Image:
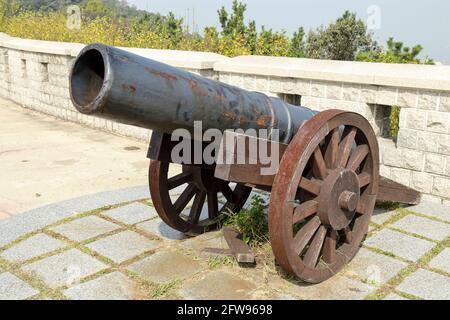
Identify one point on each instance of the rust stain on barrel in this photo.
(130, 88)
(197, 89)
(261, 120)
(162, 74)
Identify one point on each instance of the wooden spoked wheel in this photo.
(198, 184)
(323, 195)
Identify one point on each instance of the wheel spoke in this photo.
(184, 198)
(228, 193)
(179, 179)
(348, 235)
(213, 207)
(358, 157)
(319, 164)
(364, 179)
(312, 186)
(313, 253)
(345, 147)
(329, 247)
(332, 149)
(197, 207)
(303, 236)
(304, 210)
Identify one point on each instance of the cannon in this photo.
(323, 189)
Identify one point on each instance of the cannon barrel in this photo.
(111, 83)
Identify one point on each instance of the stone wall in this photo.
(35, 75)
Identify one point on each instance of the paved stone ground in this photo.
(112, 245)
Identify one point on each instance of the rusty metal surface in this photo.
(111, 83)
(313, 230)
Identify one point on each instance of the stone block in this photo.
(441, 187)
(428, 100)
(413, 160)
(218, 285)
(351, 92)
(407, 98)
(64, 269)
(158, 228)
(444, 102)
(262, 83)
(407, 138)
(289, 85)
(435, 163)
(402, 176)
(441, 261)
(318, 89)
(112, 286)
(443, 144)
(427, 285)
(132, 213)
(373, 267)
(32, 247)
(123, 246)
(416, 119)
(334, 91)
(368, 93)
(165, 266)
(275, 84)
(421, 181)
(386, 96)
(303, 87)
(12, 288)
(85, 228)
(249, 82)
(432, 209)
(380, 216)
(438, 121)
(423, 227)
(399, 244)
(427, 141)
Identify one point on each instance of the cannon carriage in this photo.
(324, 185)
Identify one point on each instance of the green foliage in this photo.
(395, 52)
(341, 40)
(394, 121)
(114, 22)
(252, 222)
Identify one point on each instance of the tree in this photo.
(395, 52)
(297, 45)
(341, 40)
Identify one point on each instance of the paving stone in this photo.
(35, 219)
(65, 268)
(393, 296)
(132, 213)
(431, 209)
(32, 247)
(218, 285)
(335, 288)
(85, 228)
(158, 228)
(424, 227)
(426, 284)
(113, 286)
(374, 267)
(165, 266)
(380, 216)
(12, 288)
(441, 261)
(123, 246)
(399, 244)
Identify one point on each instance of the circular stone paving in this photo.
(113, 245)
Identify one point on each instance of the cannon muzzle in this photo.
(115, 84)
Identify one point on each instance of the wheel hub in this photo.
(338, 199)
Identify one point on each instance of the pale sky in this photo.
(413, 22)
